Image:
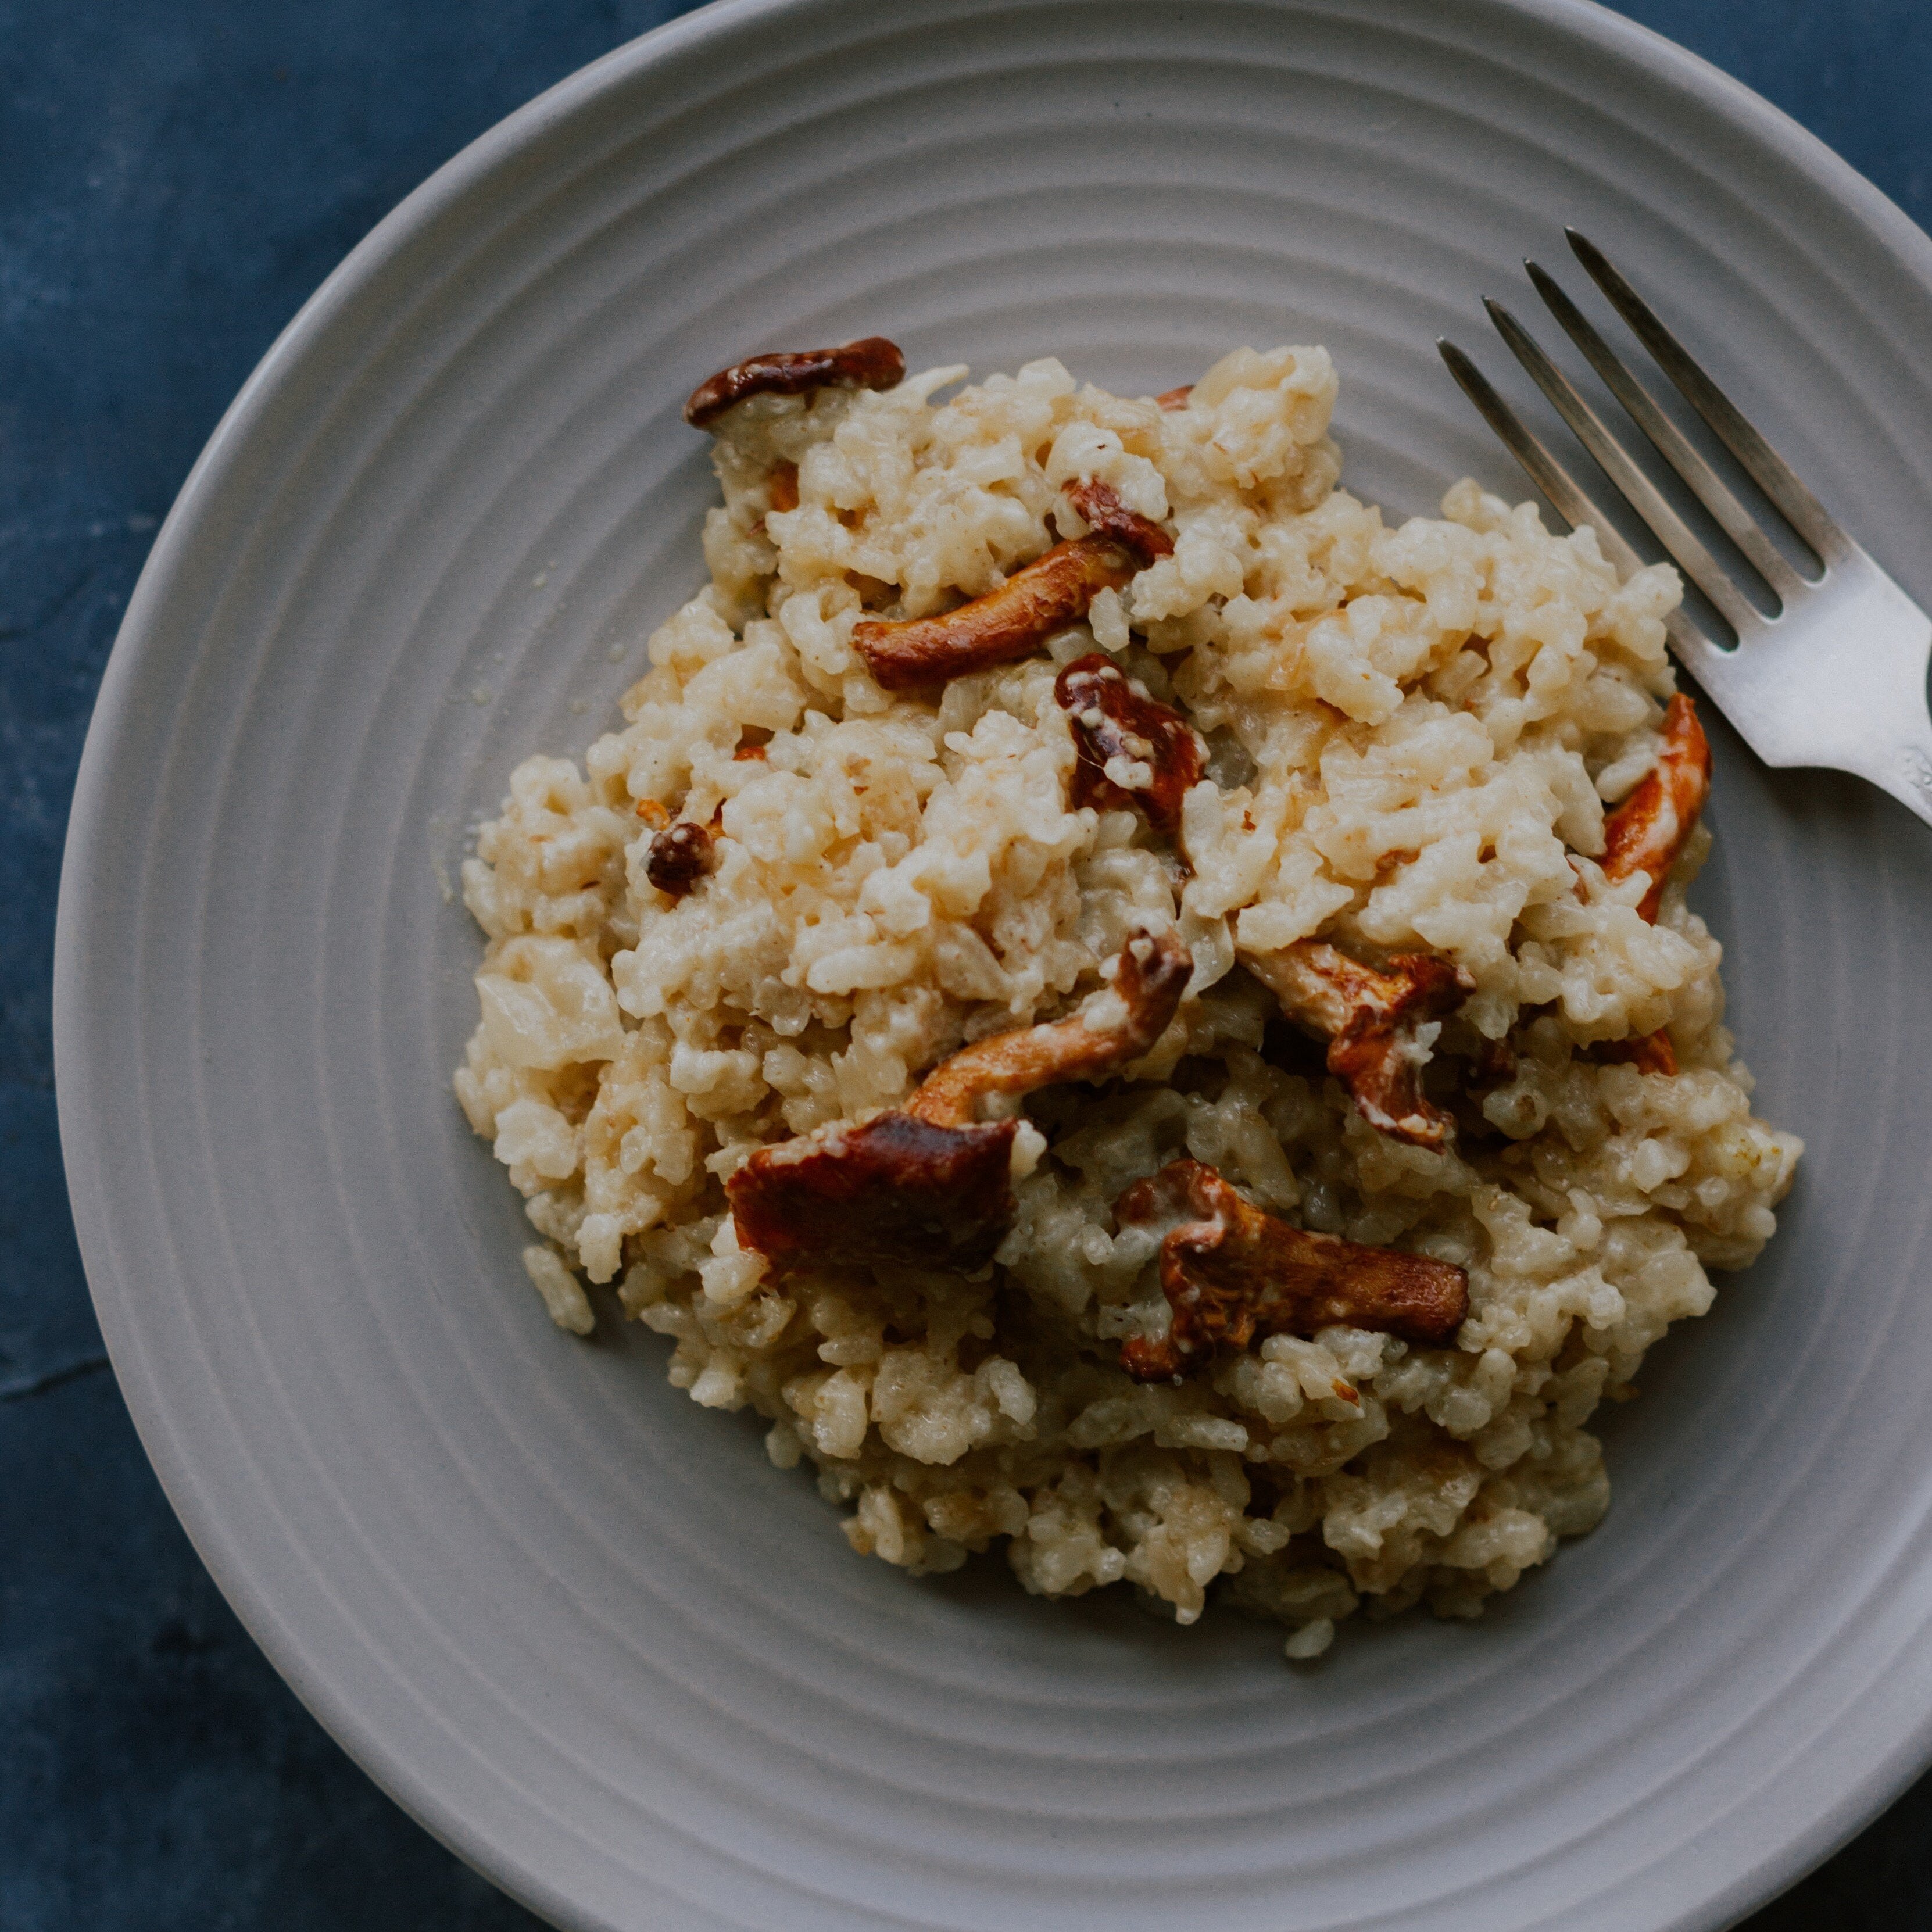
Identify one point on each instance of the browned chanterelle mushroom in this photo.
(1231, 1272)
(873, 363)
(1648, 831)
(1369, 1020)
(1134, 750)
(1014, 621)
(679, 855)
(1100, 507)
(926, 1184)
(1117, 1026)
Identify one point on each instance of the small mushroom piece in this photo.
(926, 1184)
(1649, 1053)
(872, 363)
(1231, 1272)
(1134, 751)
(1647, 833)
(1493, 1064)
(1175, 399)
(1372, 1021)
(1013, 621)
(679, 855)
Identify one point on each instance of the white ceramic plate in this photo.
(580, 1626)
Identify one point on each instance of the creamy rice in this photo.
(1413, 737)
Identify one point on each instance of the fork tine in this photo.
(1565, 494)
(1773, 475)
(1572, 503)
(1676, 448)
(1642, 495)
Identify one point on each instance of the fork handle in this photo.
(1840, 680)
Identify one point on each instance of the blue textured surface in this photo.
(175, 178)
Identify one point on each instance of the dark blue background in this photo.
(175, 177)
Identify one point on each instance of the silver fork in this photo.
(1837, 676)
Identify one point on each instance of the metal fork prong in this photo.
(1643, 495)
(1704, 483)
(1549, 476)
(1572, 503)
(1773, 475)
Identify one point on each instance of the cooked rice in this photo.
(1414, 733)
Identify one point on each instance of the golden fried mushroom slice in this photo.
(1648, 831)
(1014, 621)
(926, 1184)
(871, 363)
(1116, 1027)
(1134, 751)
(1231, 1272)
(1372, 1021)
(1003, 625)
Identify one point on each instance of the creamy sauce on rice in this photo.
(1410, 738)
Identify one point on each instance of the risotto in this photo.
(1138, 1015)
